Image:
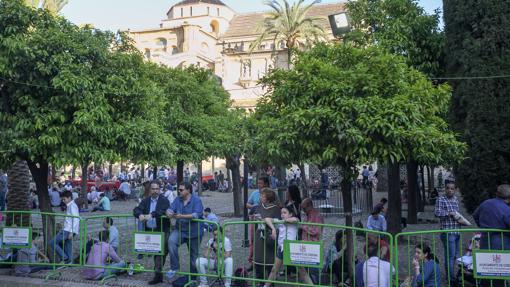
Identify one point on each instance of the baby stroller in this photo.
(465, 263)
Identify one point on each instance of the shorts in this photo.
(279, 253)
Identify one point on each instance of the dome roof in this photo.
(188, 2)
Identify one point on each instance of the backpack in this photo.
(240, 272)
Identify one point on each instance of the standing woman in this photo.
(293, 202)
(265, 245)
(427, 272)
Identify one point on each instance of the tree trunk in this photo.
(18, 183)
(346, 186)
(180, 171)
(412, 192)
(40, 175)
(303, 182)
(382, 178)
(199, 175)
(233, 164)
(73, 173)
(155, 173)
(84, 181)
(394, 213)
(229, 179)
(110, 170)
(431, 179)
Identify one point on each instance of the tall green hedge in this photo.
(478, 45)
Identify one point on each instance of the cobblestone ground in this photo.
(221, 204)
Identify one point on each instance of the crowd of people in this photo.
(159, 207)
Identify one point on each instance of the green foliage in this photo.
(194, 105)
(403, 28)
(73, 94)
(347, 105)
(477, 45)
(289, 23)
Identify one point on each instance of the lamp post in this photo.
(340, 24)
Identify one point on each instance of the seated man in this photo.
(93, 195)
(210, 261)
(103, 204)
(99, 254)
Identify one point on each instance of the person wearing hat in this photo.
(494, 213)
(376, 221)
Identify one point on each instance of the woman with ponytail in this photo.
(427, 272)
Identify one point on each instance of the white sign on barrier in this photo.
(492, 264)
(17, 237)
(149, 243)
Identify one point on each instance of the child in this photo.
(287, 230)
(103, 204)
(427, 272)
(209, 216)
(210, 261)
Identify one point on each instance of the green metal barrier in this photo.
(132, 261)
(25, 257)
(410, 245)
(335, 242)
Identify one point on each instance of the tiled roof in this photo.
(249, 24)
(187, 2)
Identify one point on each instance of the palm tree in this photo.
(18, 178)
(290, 24)
(54, 6)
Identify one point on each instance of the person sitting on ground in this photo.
(30, 255)
(427, 272)
(103, 204)
(336, 259)
(113, 239)
(209, 216)
(376, 221)
(373, 271)
(93, 196)
(287, 230)
(210, 261)
(124, 190)
(99, 254)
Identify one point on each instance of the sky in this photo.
(141, 14)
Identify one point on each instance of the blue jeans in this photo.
(109, 271)
(451, 252)
(63, 238)
(174, 241)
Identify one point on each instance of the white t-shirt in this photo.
(376, 272)
(214, 245)
(287, 231)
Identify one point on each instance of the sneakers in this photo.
(171, 276)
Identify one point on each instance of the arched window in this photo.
(215, 26)
(182, 12)
(147, 54)
(281, 45)
(208, 10)
(191, 11)
(175, 50)
(161, 44)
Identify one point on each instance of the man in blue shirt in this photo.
(495, 214)
(184, 209)
(150, 211)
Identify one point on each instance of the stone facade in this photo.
(209, 34)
